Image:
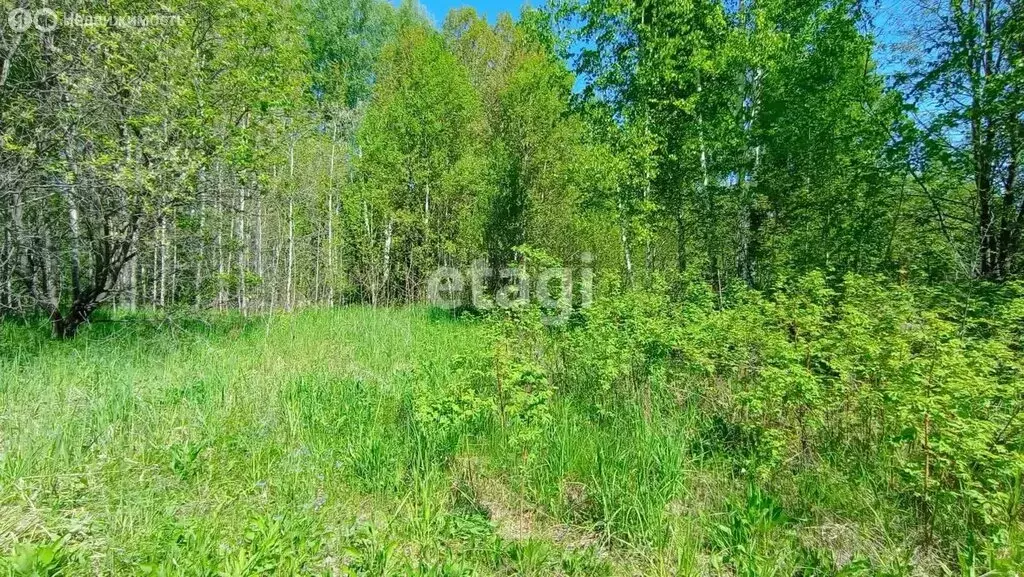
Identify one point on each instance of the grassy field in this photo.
(254, 447)
(343, 443)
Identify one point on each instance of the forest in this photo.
(600, 287)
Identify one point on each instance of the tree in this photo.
(745, 127)
(967, 88)
(420, 168)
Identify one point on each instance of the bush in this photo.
(920, 388)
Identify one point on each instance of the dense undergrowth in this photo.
(854, 428)
(866, 404)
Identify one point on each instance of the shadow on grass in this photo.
(455, 315)
(27, 337)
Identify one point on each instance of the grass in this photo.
(342, 443)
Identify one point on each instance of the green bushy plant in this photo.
(919, 388)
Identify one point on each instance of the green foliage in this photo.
(40, 560)
(736, 175)
(345, 40)
(451, 400)
(524, 389)
(920, 389)
(766, 434)
(421, 171)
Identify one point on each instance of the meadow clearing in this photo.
(379, 442)
(740, 288)
(269, 446)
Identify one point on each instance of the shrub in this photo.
(920, 388)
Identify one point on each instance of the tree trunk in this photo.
(73, 223)
(290, 286)
(330, 243)
(164, 246)
(6, 299)
(133, 296)
(221, 288)
(242, 248)
(5, 66)
(198, 280)
(681, 242)
(387, 260)
(261, 292)
(330, 220)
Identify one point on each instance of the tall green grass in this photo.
(284, 445)
(384, 442)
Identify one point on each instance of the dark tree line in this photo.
(262, 155)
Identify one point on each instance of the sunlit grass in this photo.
(291, 445)
(279, 445)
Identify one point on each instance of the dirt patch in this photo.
(513, 517)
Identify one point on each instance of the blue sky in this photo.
(437, 9)
(891, 17)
